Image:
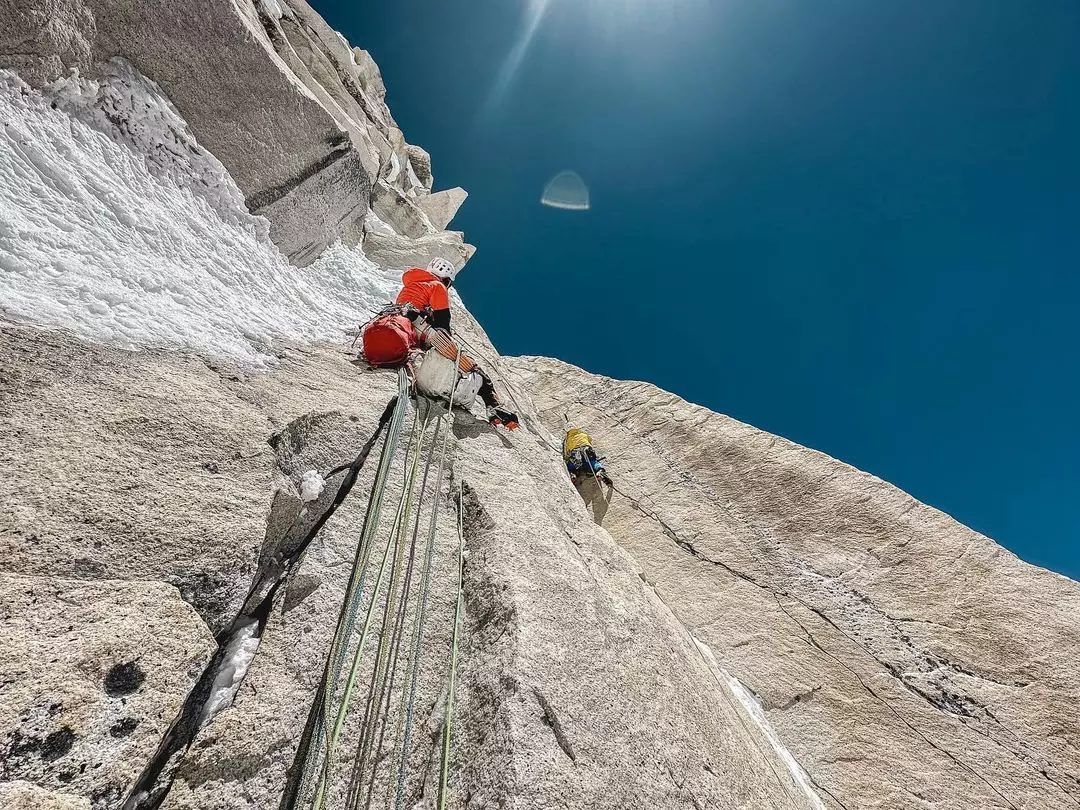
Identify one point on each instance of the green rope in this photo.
(448, 724)
(354, 590)
(370, 719)
(306, 753)
(389, 619)
(350, 607)
(393, 618)
(421, 614)
(399, 628)
(417, 630)
(350, 681)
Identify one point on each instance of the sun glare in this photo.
(606, 20)
(534, 15)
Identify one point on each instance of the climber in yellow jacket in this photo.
(580, 457)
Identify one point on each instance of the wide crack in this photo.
(284, 546)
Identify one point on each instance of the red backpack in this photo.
(387, 340)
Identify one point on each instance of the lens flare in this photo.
(568, 191)
(534, 15)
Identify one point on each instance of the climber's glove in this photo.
(500, 416)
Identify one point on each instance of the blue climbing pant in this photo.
(582, 458)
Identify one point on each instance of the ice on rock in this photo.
(752, 708)
(117, 226)
(135, 112)
(239, 652)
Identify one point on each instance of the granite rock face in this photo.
(26, 796)
(577, 686)
(905, 660)
(743, 623)
(94, 671)
(441, 206)
(295, 114)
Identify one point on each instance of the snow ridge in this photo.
(117, 226)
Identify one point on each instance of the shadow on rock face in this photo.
(467, 426)
(298, 590)
(595, 499)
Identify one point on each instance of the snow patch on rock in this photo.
(272, 9)
(311, 486)
(115, 225)
(752, 708)
(135, 112)
(234, 666)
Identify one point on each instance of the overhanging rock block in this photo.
(401, 213)
(441, 206)
(399, 253)
(420, 161)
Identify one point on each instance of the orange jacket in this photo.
(423, 289)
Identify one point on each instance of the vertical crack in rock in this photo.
(223, 676)
(962, 708)
(551, 720)
(214, 691)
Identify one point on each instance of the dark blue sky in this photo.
(855, 224)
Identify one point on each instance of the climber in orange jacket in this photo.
(428, 290)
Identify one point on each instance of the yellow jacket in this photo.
(575, 438)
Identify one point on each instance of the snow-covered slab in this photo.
(116, 225)
(296, 115)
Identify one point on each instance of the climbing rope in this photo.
(396, 638)
(444, 770)
(334, 735)
(419, 619)
(396, 569)
(321, 707)
(385, 650)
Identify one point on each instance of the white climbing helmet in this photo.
(442, 268)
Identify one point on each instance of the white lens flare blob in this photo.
(568, 191)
